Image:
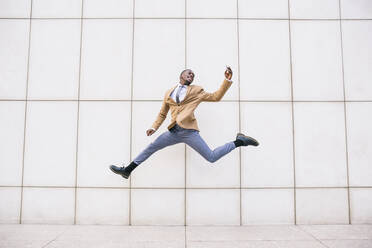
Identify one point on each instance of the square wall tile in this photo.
(11, 142)
(54, 59)
(159, 57)
(112, 207)
(225, 171)
(15, 8)
(108, 8)
(48, 205)
(357, 48)
(264, 47)
(158, 206)
(104, 139)
(360, 205)
(263, 8)
(106, 67)
(212, 207)
(160, 8)
(271, 163)
(257, 206)
(209, 51)
(50, 152)
(202, 8)
(314, 9)
(56, 8)
(358, 9)
(316, 60)
(322, 206)
(10, 204)
(170, 160)
(359, 142)
(320, 148)
(13, 58)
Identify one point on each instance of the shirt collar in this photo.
(179, 84)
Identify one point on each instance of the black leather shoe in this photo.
(247, 140)
(120, 170)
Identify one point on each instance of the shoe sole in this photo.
(248, 137)
(119, 173)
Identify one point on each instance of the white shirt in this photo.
(182, 93)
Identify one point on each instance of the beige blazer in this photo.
(183, 113)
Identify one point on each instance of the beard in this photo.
(187, 82)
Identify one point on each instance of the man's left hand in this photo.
(228, 73)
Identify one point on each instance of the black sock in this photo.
(131, 167)
(238, 142)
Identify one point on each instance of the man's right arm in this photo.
(161, 116)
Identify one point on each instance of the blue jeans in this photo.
(191, 137)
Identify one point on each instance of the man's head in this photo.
(187, 76)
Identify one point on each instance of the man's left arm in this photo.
(217, 95)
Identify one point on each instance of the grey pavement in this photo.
(279, 236)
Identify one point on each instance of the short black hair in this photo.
(184, 71)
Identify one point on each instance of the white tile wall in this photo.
(120, 67)
(48, 205)
(15, 8)
(202, 9)
(258, 206)
(106, 59)
(263, 8)
(102, 206)
(11, 142)
(158, 206)
(316, 60)
(104, 139)
(50, 150)
(13, 58)
(10, 204)
(320, 149)
(357, 40)
(271, 163)
(360, 202)
(212, 206)
(209, 51)
(54, 59)
(359, 137)
(56, 8)
(108, 9)
(225, 171)
(322, 206)
(359, 9)
(155, 171)
(264, 60)
(315, 9)
(160, 8)
(157, 64)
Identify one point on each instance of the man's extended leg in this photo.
(196, 142)
(165, 139)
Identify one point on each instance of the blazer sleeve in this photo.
(217, 95)
(161, 115)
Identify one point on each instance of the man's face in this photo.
(188, 76)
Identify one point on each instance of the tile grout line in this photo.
(154, 100)
(131, 116)
(185, 192)
(25, 114)
(239, 115)
(78, 112)
(194, 18)
(313, 236)
(191, 188)
(345, 116)
(292, 115)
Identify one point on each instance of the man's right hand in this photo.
(150, 132)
